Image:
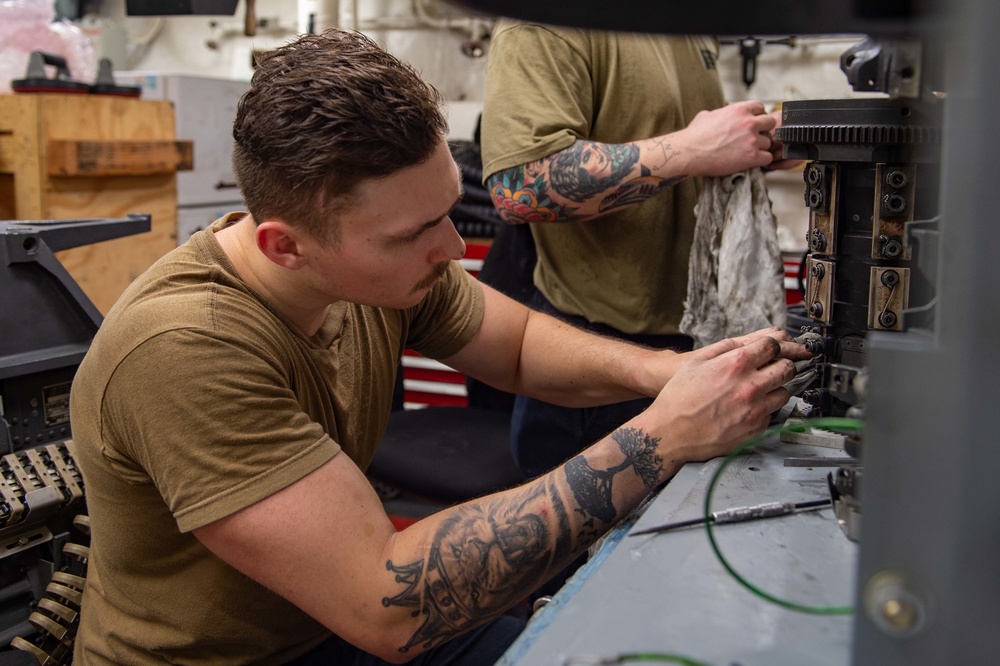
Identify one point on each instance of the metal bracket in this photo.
(821, 198)
(894, 191)
(888, 296)
(819, 289)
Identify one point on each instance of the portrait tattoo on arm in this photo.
(489, 554)
(586, 168)
(483, 559)
(646, 185)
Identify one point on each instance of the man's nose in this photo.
(451, 245)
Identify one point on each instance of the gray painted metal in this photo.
(668, 593)
(931, 501)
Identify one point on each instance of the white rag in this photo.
(735, 273)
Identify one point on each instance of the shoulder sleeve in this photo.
(212, 423)
(539, 94)
(448, 317)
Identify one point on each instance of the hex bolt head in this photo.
(817, 241)
(814, 346)
(815, 198)
(816, 309)
(896, 178)
(892, 248)
(887, 319)
(890, 278)
(894, 203)
(817, 271)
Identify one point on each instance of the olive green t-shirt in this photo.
(546, 87)
(198, 399)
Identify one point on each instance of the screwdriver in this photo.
(741, 514)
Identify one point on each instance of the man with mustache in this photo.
(230, 403)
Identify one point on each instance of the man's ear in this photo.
(280, 243)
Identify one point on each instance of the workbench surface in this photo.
(668, 593)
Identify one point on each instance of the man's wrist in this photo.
(653, 369)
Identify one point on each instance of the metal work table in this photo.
(667, 593)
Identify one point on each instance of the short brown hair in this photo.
(322, 114)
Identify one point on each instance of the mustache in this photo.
(436, 274)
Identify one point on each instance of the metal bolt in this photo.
(890, 278)
(818, 241)
(814, 346)
(814, 175)
(812, 396)
(815, 199)
(896, 179)
(900, 614)
(891, 247)
(817, 271)
(895, 604)
(816, 309)
(887, 319)
(894, 203)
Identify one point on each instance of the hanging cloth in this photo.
(735, 272)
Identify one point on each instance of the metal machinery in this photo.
(871, 187)
(871, 190)
(903, 238)
(47, 324)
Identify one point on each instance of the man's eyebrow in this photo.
(432, 223)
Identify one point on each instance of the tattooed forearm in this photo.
(592, 488)
(637, 191)
(659, 154)
(484, 558)
(599, 177)
(521, 195)
(641, 451)
(488, 554)
(586, 169)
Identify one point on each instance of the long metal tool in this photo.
(741, 514)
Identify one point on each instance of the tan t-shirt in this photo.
(547, 87)
(198, 399)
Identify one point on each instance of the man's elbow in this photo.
(510, 203)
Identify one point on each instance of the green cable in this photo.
(660, 657)
(831, 423)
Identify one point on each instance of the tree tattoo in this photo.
(592, 488)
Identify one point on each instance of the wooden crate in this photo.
(65, 156)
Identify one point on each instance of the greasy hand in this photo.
(777, 163)
(720, 396)
(790, 350)
(727, 140)
(662, 365)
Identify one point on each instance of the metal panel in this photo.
(932, 501)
